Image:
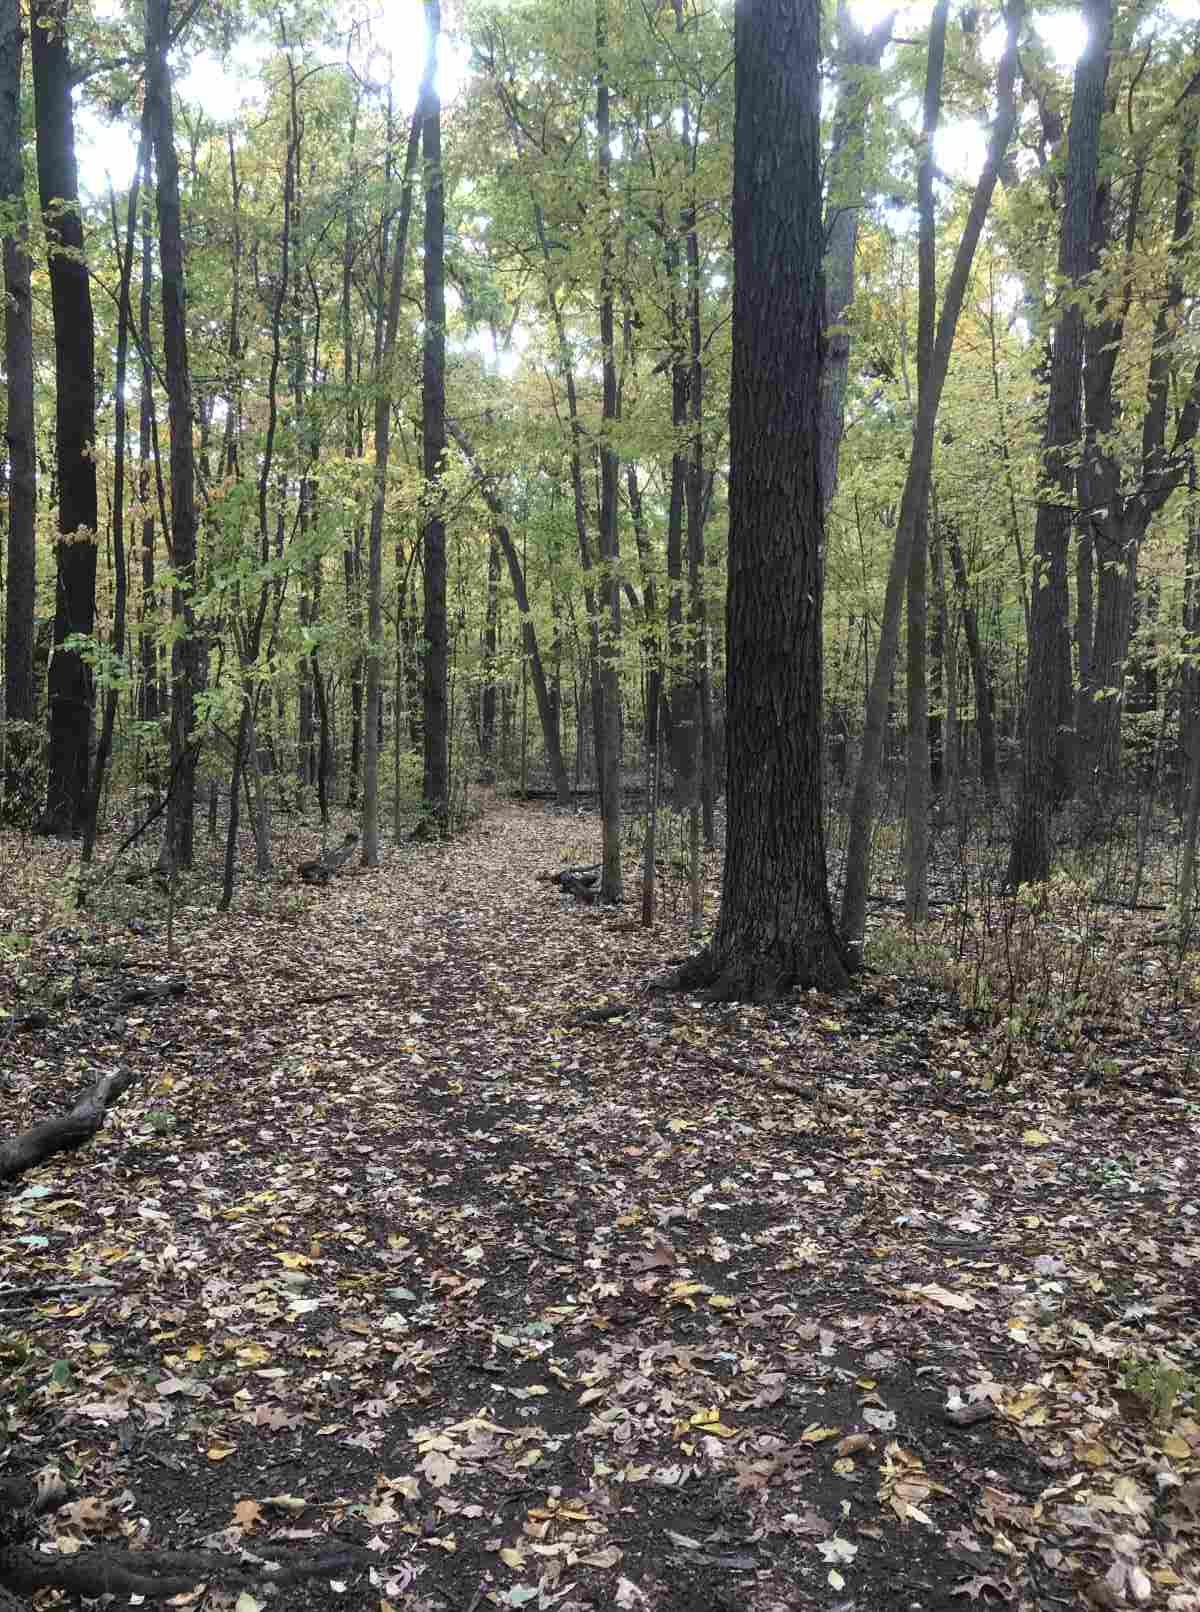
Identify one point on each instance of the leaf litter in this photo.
(683, 1307)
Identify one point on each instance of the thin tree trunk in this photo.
(189, 657)
(608, 756)
(916, 495)
(120, 578)
(546, 706)
(916, 869)
(383, 424)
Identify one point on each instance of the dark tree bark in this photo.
(776, 928)
(69, 682)
(188, 656)
(1045, 776)
(21, 576)
(435, 786)
(607, 538)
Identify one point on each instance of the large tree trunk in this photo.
(188, 657)
(70, 683)
(21, 576)
(915, 498)
(435, 787)
(776, 929)
(1044, 770)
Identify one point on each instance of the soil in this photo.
(401, 1240)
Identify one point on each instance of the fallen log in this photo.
(322, 868)
(582, 883)
(66, 1132)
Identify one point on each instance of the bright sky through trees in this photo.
(392, 43)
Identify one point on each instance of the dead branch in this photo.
(66, 1132)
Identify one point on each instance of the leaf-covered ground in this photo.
(688, 1309)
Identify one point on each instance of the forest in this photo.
(599, 786)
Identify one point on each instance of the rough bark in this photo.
(21, 572)
(435, 787)
(775, 929)
(69, 681)
(1044, 763)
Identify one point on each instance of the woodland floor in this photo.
(663, 1312)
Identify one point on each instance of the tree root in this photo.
(152, 1575)
(741, 977)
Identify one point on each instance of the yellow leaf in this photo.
(853, 1442)
(512, 1558)
(220, 1452)
(844, 1467)
(814, 1433)
(1177, 1447)
(722, 1301)
(943, 1296)
(1035, 1138)
(292, 1262)
(1093, 1454)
